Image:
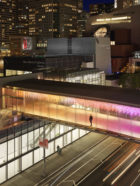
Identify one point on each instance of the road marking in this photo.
(84, 164)
(59, 177)
(121, 158)
(67, 169)
(107, 167)
(135, 178)
(67, 181)
(118, 166)
(110, 156)
(116, 179)
(138, 152)
(54, 174)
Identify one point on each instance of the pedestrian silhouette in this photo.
(90, 120)
(58, 150)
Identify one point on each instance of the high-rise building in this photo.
(81, 19)
(40, 19)
(119, 4)
(124, 3)
(96, 9)
(7, 23)
(53, 18)
(68, 18)
(22, 22)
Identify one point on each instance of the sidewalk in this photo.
(35, 174)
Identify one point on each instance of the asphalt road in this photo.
(96, 178)
(85, 163)
(132, 176)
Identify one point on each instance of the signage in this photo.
(43, 143)
(27, 43)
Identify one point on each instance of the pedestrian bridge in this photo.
(114, 110)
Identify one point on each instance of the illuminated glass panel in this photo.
(27, 161)
(50, 150)
(3, 153)
(38, 155)
(13, 168)
(108, 116)
(2, 174)
(58, 142)
(10, 149)
(29, 140)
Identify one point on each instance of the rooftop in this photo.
(116, 95)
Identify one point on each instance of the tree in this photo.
(130, 80)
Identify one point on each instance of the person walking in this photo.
(58, 150)
(90, 120)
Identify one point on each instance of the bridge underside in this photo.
(107, 117)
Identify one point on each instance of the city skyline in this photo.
(69, 92)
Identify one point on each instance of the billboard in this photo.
(27, 43)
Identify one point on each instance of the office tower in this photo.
(22, 22)
(42, 17)
(119, 4)
(53, 18)
(81, 19)
(68, 18)
(7, 23)
(96, 9)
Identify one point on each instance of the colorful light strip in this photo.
(109, 116)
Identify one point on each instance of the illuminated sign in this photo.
(27, 43)
(112, 20)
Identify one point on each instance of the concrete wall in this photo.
(57, 46)
(83, 46)
(99, 48)
(73, 46)
(103, 54)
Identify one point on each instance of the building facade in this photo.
(41, 19)
(22, 24)
(96, 9)
(119, 4)
(86, 76)
(19, 145)
(81, 19)
(7, 24)
(124, 30)
(53, 18)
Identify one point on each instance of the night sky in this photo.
(88, 2)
